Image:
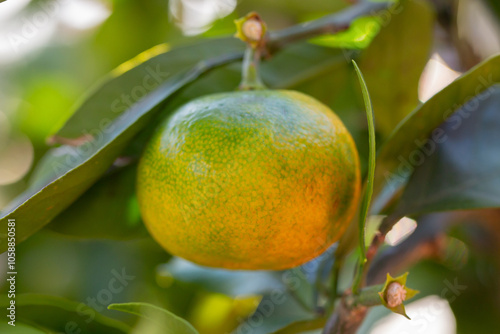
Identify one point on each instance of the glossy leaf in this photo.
(395, 160)
(168, 322)
(70, 171)
(133, 80)
(461, 170)
(61, 315)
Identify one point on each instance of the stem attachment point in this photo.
(251, 29)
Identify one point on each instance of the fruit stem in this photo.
(368, 296)
(250, 77)
(251, 30)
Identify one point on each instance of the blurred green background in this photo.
(53, 51)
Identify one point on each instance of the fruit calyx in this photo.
(252, 30)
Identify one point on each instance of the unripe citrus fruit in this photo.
(249, 180)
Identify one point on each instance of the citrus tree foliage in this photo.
(434, 161)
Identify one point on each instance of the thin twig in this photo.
(326, 25)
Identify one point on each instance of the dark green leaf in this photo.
(398, 156)
(134, 80)
(61, 315)
(70, 171)
(109, 209)
(165, 320)
(460, 170)
(298, 63)
(394, 61)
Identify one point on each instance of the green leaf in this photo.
(395, 158)
(394, 61)
(167, 321)
(365, 204)
(133, 80)
(460, 170)
(303, 326)
(307, 61)
(360, 34)
(69, 171)
(20, 328)
(109, 209)
(51, 313)
(356, 233)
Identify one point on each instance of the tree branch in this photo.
(326, 25)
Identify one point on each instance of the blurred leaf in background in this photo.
(395, 59)
(52, 52)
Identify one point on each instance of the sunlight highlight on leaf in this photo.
(140, 58)
(359, 35)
